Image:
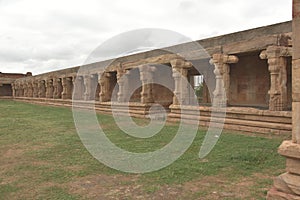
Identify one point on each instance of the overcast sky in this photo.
(46, 35)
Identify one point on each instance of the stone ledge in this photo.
(289, 149)
(235, 110)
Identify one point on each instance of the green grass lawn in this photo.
(42, 157)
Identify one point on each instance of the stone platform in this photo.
(134, 109)
(237, 118)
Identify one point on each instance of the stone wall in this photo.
(6, 79)
(250, 81)
(5, 90)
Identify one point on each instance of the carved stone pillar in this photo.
(67, 88)
(180, 75)
(98, 90)
(177, 80)
(18, 89)
(90, 87)
(222, 72)
(57, 88)
(287, 186)
(35, 92)
(25, 89)
(29, 89)
(94, 84)
(146, 76)
(42, 89)
(13, 90)
(122, 80)
(49, 88)
(22, 90)
(277, 60)
(104, 81)
(79, 88)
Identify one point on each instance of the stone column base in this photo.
(287, 186)
(274, 194)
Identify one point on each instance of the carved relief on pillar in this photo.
(29, 89)
(49, 88)
(90, 87)
(94, 84)
(35, 92)
(147, 76)
(13, 89)
(98, 90)
(177, 80)
(67, 88)
(122, 80)
(22, 89)
(277, 61)
(74, 87)
(104, 81)
(222, 72)
(79, 88)
(87, 86)
(180, 75)
(42, 89)
(57, 88)
(18, 89)
(25, 89)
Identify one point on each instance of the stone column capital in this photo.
(180, 63)
(276, 52)
(147, 68)
(146, 72)
(223, 59)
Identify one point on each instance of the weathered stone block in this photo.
(288, 183)
(274, 194)
(293, 165)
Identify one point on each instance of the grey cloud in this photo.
(136, 41)
(187, 4)
(75, 21)
(58, 36)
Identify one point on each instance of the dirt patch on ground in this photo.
(128, 187)
(216, 187)
(106, 186)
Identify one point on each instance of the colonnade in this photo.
(100, 86)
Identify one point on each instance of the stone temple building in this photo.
(253, 74)
(255, 66)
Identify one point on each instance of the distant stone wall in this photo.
(7, 79)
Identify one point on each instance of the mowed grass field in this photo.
(42, 157)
